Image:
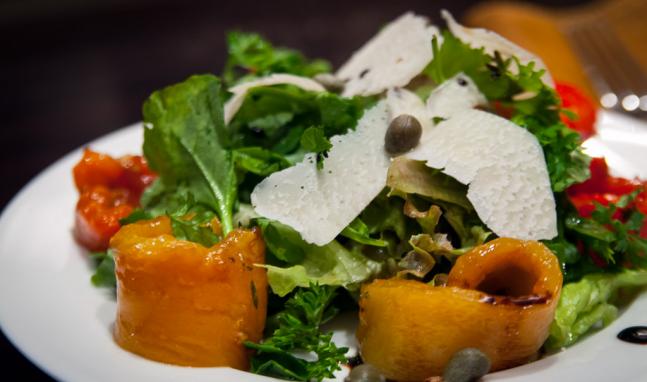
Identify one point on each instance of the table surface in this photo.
(72, 73)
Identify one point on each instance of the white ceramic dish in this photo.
(52, 313)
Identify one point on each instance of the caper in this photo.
(365, 373)
(402, 135)
(466, 365)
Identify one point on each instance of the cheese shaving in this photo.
(240, 91)
(457, 94)
(319, 204)
(504, 166)
(491, 42)
(398, 53)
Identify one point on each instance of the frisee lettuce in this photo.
(616, 243)
(299, 329)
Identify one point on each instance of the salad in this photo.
(435, 185)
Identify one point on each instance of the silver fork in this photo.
(619, 81)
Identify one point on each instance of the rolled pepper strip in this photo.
(181, 303)
(500, 298)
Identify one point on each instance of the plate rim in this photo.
(14, 204)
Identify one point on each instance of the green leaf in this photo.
(331, 264)
(190, 220)
(259, 161)
(195, 228)
(104, 274)
(385, 215)
(252, 56)
(313, 140)
(282, 241)
(615, 240)
(184, 142)
(299, 330)
(407, 176)
(589, 302)
(275, 117)
(358, 231)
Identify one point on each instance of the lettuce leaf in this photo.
(385, 215)
(303, 263)
(407, 176)
(586, 304)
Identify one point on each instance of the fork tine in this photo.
(633, 74)
(591, 59)
(613, 71)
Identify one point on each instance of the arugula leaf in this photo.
(275, 117)
(184, 142)
(256, 57)
(259, 161)
(299, 330)
(104, 274)
(314, 141)
(195, 227)
(190, 220)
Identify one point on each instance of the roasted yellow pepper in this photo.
(181, 303)
(500, 298)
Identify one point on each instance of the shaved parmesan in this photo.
(398, 53)
(457, 94)
(491, 42)
(504, 166)
(319, 204)
(240, 91)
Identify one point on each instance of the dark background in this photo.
(73, 70)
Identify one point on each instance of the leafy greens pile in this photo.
(417, 226)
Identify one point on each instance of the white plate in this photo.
(52, 313)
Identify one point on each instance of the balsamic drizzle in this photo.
(634, 334)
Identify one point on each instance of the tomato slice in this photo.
(581, 105)
(98, 212)
(109, 191)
